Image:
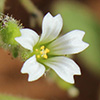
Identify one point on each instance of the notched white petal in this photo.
(34, 69)
(28, 38)
(64, 67)
(70, 43)
(51, 27)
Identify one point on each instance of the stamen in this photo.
(36, 50)
(47, 50)
(38, 56)
(42, 47)
(45, 56)
(41, 52)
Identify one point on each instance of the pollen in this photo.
(47, 50)
(45, 56)
(41, 52)
(42, 47)
(36, 50)
(38, 56)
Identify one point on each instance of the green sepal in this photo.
(9, 32)
(15, 52)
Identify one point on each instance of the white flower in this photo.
(49, 50)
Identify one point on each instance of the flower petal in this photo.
(28, 38)
(51, 27)
(64, 67)
(33, 68)
(69, 43)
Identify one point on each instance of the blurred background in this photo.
(76, 14)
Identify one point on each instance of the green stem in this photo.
(33, 10)
(2, 4)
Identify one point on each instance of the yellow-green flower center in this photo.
(42, 52)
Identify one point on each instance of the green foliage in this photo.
(77, 16)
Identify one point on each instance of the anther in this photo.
(47, 50)
(36, 50)
(42, 47)
(45, 56)
(38, 56)
(41, 52)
